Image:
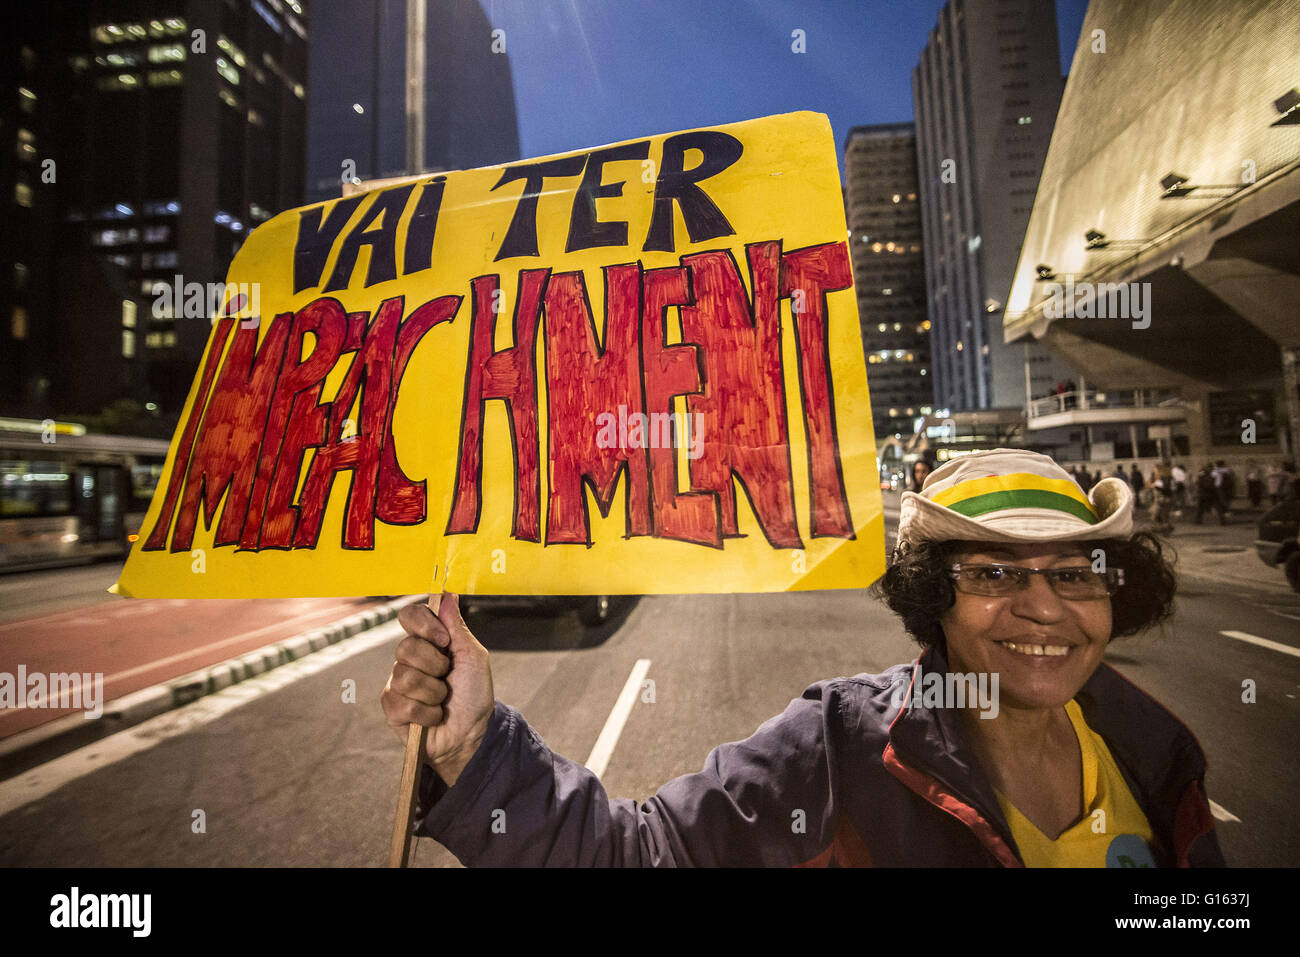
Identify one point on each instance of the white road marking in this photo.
(181, 656)
(44, 780)
(1221, 813)
(1263, 642)
(598, 760)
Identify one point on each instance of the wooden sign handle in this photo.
(399, 852)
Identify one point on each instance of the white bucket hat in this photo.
(1010, 495)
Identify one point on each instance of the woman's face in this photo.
(919, 471)
(998, 634)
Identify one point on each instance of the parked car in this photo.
(1277, 542)
(593, 610)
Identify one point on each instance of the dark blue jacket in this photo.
(845, 776)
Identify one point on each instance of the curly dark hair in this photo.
(917, 588)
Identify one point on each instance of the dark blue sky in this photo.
(588, 72)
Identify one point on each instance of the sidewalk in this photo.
(1223, 553)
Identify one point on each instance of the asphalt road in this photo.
(297, 776)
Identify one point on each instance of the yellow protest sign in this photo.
(627, 370)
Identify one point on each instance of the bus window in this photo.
(34, 488)
(144, 482)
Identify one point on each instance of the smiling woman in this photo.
(1007, 742)
(1004, 567)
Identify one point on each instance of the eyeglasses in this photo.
(995, 580)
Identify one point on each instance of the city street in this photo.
(287, 773)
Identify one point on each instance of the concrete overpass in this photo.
(1175, 164)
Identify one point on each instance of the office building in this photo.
(161, 133)
(884, 217)
(358, 105)
(985, 92)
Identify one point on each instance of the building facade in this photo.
(358, 102)
(180, 125)
(1160, 258)
(884, 216)
(985, 96)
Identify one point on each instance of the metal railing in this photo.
(1083, 399)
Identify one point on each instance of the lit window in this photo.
(166, 78)
(886, 292)
(23, 194)
(881, 327)
(123, 81)
(255, 118)
(156, 28)
(167, 53)
(18, 323)
(174, 25)
(157, 234)
(1025, 120)
(20, 276)
(235, 53)
(26, 100)
(298, 91)
(960, 347)
(167, 260)
(128, 344)
(229, 99)
(115, 237)
(136, 30)
(898, 327)
(228, 72)
(876, 247)
(128, 313)
(898, 198)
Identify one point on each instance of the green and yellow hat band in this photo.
(980, 496)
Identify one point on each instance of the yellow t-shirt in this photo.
(1113, 832)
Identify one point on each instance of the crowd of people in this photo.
(1171, 489)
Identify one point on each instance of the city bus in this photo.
(67, 496)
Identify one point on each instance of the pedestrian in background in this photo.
(1275, 478)
(1179, 475)
(1254, 486)
(1207, 494)
(1224, 484)
(1135, 479)
(916, 478)
(1162, 498)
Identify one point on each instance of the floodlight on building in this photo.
(1288, 105)
(992, 305)
(1045, 272)
(1175, 186)
(1096, 239)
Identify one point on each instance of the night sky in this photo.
(589, 72)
